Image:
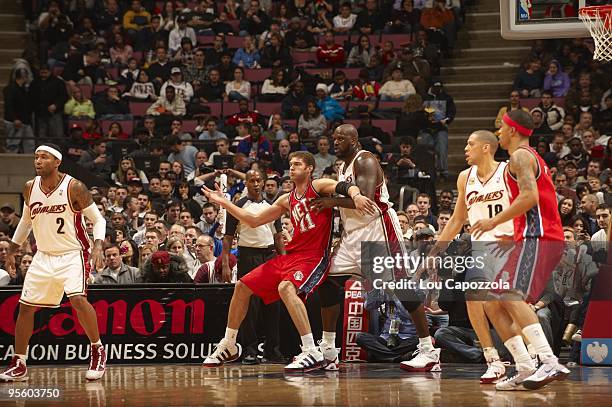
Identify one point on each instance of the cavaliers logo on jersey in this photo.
(476, 197)
(38, 208)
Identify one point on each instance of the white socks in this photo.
(490, 354)
(308, 343)
(425, 343)
(328, 340)
(230, 336)
(517, 348)
(536, 337)
(97, 343)
(22, 357)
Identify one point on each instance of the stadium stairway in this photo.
(480, 76)
(13, 39)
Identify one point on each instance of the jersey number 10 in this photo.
(494, 209)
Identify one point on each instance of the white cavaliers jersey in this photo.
(352, 219)
(57, 227)
(485, 200)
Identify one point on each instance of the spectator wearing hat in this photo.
(76, 145)
(9, 217)
(163, 267)
(329, 53)
(96, 161)
(117, 272)
(330, 108)
(50, 96)
(443, 114)
(18, 109)
(183, 89)
(179, 32)
(168, 104)
(396, 88)
(254, 20)
(299, 37)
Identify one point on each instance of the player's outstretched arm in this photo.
(455, 223)
(361, 202)
(81, 200)
(523, 165)
(269, 214)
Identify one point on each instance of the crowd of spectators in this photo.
(175, 57)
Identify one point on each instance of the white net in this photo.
(599, 22)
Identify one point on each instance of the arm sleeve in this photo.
(23, 228)
(99, 227)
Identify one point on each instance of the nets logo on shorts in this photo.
(298, 276)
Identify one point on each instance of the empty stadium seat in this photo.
(257, 75)
(530, 103)
(268, 108)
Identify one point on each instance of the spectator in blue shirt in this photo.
(255, 145)
(247, 56)
(330, 108)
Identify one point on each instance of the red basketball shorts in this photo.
(530, 266)
(306, 270)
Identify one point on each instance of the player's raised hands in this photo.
(217, 196)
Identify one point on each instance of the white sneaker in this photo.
(548, 371)
(223, 353)
(330, 357)
(306, 361)
(514, 383)
(577, 337)
(496, 371)
(423, 361)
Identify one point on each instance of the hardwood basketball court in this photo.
(267, 385)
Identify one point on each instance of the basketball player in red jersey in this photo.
(361, 168)
(538, 248)
(295, 275)
(55, 204)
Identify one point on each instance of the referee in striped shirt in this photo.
(255, 246)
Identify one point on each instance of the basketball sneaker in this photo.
(423, 361)
(223, 353)
(97, 363)
(514, 383)
(496, 371)
(330, 356)
(17, 371)
(548, 371)
(306, 362)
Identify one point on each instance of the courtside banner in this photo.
(138, 324)
(355, 321)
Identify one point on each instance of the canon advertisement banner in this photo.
(137, 325)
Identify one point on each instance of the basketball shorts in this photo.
(347, 259)
(50, 276)
(306, 270)
(529, 267)
(491, 263)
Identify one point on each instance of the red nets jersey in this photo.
(542, 221)
(312, 230)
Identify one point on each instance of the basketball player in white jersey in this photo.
(362, 169)
(55, 204)
(482, 194)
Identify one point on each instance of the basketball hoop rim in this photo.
(595, 11)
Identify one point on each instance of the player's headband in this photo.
(523, 130)
(51, 151)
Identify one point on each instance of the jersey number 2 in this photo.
(60, 226)
(494, 209)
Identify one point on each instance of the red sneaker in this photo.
(97, 363)
(16, 372)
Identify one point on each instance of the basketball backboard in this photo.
(542, 19)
